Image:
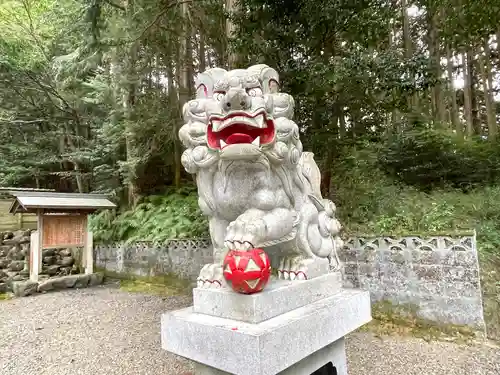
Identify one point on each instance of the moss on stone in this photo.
(5, 296)
(402, 319)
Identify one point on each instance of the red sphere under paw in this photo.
(247, 272)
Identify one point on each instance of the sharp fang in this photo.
(222, 144)
(256, 141)
(260, 121)
(215, 125)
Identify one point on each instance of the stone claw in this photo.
(296, 268)
(238, 245)
(244, 233)
(211, 277)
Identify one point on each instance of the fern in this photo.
(156, 218)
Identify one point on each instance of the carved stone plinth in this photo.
(291, 328)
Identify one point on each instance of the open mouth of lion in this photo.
(240, 128)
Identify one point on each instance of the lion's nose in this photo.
(236, 100)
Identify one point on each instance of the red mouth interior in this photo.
(240, 133)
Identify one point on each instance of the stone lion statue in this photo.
(255, 183)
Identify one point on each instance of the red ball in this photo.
(247, 272)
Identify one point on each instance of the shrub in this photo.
(157, 218)
(429, 159)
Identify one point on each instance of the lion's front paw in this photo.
(245, 233)
(211, 277)
(302, 268)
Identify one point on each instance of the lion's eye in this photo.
(219, 96)
(256, 91)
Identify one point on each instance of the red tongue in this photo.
(238, 138)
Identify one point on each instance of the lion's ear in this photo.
(274, 86)
(206, 80)
(201, 91)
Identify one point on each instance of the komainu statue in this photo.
(255, 183)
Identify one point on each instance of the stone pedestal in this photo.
(290, 328)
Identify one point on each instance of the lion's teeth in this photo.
(256, 141)
(215, 125)
(260, 121)
(222, 144)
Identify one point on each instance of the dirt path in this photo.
(104, 330)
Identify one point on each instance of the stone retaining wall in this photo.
(181, 257)
(14, 259)
(14, 255)
(438, 275)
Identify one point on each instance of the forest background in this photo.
(398, 99)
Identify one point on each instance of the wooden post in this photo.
(88, 249)
(89, 253)
(20, 220)
(40, 240)
(34, 255)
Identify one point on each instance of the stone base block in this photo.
(281, 296)
(272, 346)
(331, 359)
(26, 288)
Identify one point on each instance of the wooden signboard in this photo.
(64, 230)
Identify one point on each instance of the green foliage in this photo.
(157, 218)
(490, 285)
(165, 285)
(5, 296)
(402, 319)
(371, 202)
(428, 158)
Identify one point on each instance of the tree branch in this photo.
(47, 91)
(159, 16)
(118, 6)
(23, 122)
(32, 30)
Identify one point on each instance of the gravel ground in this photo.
(104, 330)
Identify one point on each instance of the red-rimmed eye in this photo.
(219, 95)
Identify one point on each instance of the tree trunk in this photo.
(78, 177)
(184, 61)
(395, 113)
(498, 47)
(129, 94)
(342, 128)
(202, 53)
(326, 178)
(231, 57)
(473, 82)
(454, 118)
(467, 95)
(189, 76)
(412, 101)
(159, 86)
(486, 76)
(437, 103)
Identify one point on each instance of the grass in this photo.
(158, 286)
(390, 320)
(5, 296)
(490, 285)
(163, 285)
